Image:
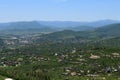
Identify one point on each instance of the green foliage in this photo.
(56, 56)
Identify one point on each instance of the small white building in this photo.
(8, 79)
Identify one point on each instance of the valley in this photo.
(37, 54)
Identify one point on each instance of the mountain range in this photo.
(105, 32)
(76, 24)
(50, 26)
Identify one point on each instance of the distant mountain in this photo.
(40, 27)
(69, 24)
(32, 26)
(43, 27)
(52, 26)
(105, 32)
(62, 24)
(102, 23)
(22, 25)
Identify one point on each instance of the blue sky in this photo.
(62, 10)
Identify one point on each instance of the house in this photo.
(94, 56)
(116, 54)
(8, 79)
(73, 73)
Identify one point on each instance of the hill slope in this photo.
(109, 30)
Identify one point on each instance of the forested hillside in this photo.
(62, 55)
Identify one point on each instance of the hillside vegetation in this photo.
(62, 55)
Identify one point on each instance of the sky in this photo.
(59, 10)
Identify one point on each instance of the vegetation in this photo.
(64, 55)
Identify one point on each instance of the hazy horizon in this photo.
(58, 21)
